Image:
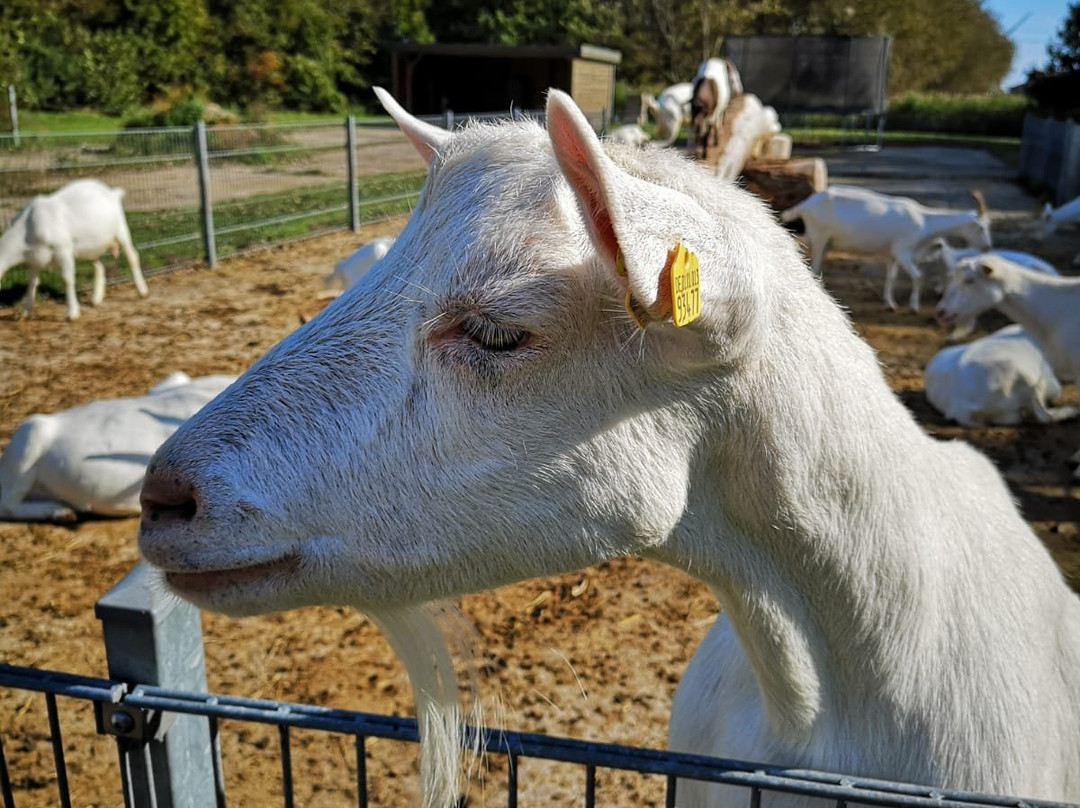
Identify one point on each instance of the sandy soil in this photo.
(594, 654)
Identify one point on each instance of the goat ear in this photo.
(635, 225)
(426, 139)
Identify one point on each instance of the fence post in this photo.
(202, 165)
(14, 109)
(154, 638)
(350, 162)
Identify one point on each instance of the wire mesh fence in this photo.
(253, 185)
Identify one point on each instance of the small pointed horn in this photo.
(980, 202)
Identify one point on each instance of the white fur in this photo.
(353, 268)
(629, 135)
(81, 221)
(671, 110)
(1052, 219)
(481, 408)
(726, 83)
(999, 379)
(91, 458)
(856, 220)
(1045, 305)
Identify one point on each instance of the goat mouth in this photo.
(217, 580)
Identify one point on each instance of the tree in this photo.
(1065, 52)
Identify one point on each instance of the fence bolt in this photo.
(202, 165)
(152, 638)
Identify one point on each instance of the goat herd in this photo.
(574, 352)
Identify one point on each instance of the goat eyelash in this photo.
(493, 337)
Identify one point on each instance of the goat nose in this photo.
(167, 499)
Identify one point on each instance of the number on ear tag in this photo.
(685, 287)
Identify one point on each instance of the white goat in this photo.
(716, 83)
(1052, 219)
(449, 426)
(92, 458)
(629, 135)
(671, 110)
(353, 268)
(859, 221)
(1000, 379)
(1045, 305)
(81, 221)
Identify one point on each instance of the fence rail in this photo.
(1050, 156)
(168, 729)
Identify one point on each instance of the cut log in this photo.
(783, 183)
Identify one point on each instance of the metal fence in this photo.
(200, 193)
(168, 738)
(1050, 156)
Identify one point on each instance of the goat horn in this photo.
(980, 202)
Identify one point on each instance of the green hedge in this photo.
(999, 114)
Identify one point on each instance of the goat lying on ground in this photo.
(671, 109)
(91, 458)
(629, 135)
(360, 260)
(449, 426)
(1052, 219)
(81, 221)
(856, 220)
(1000, 379)
(1045, 305)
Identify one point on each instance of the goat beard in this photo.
(448, 753)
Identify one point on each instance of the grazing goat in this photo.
(353, 268)
(716, 83)
(1045, 305)
(671, 109)
(864, 222)
(1052, 219)
(92, 458)
(629, 357)
(81, 221)
(629, 135)
(1000, 379)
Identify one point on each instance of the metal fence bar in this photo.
(590, 786)
(202, 164)
(512, 780)
(5, 780)
(669, 792)
(58, 750)
(361, 772)
(286, 764)
(215, 758)
(350, 169)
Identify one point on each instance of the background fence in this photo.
(167, 732)
(202, 193)
(1050, 156)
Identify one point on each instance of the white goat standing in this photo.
(1046, 306)
(92, 458)
(859, 221)
(1000, 379)
(81, 221)
(350, 270)
(716, 83)
(450, 426)
(1052, 219)
(671, 109)
(630, 134)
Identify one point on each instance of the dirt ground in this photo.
(594, 654)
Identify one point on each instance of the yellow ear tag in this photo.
(685, 287)
(620, 264)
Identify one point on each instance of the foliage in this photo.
(322, 54)
(1065, 51)
(1000, 115)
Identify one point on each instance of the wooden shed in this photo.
(430, 79)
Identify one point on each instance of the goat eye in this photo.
(493, 337)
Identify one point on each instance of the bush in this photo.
(1001, 115)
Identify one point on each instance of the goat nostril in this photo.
(168, 499)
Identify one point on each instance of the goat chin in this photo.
(418, 635)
